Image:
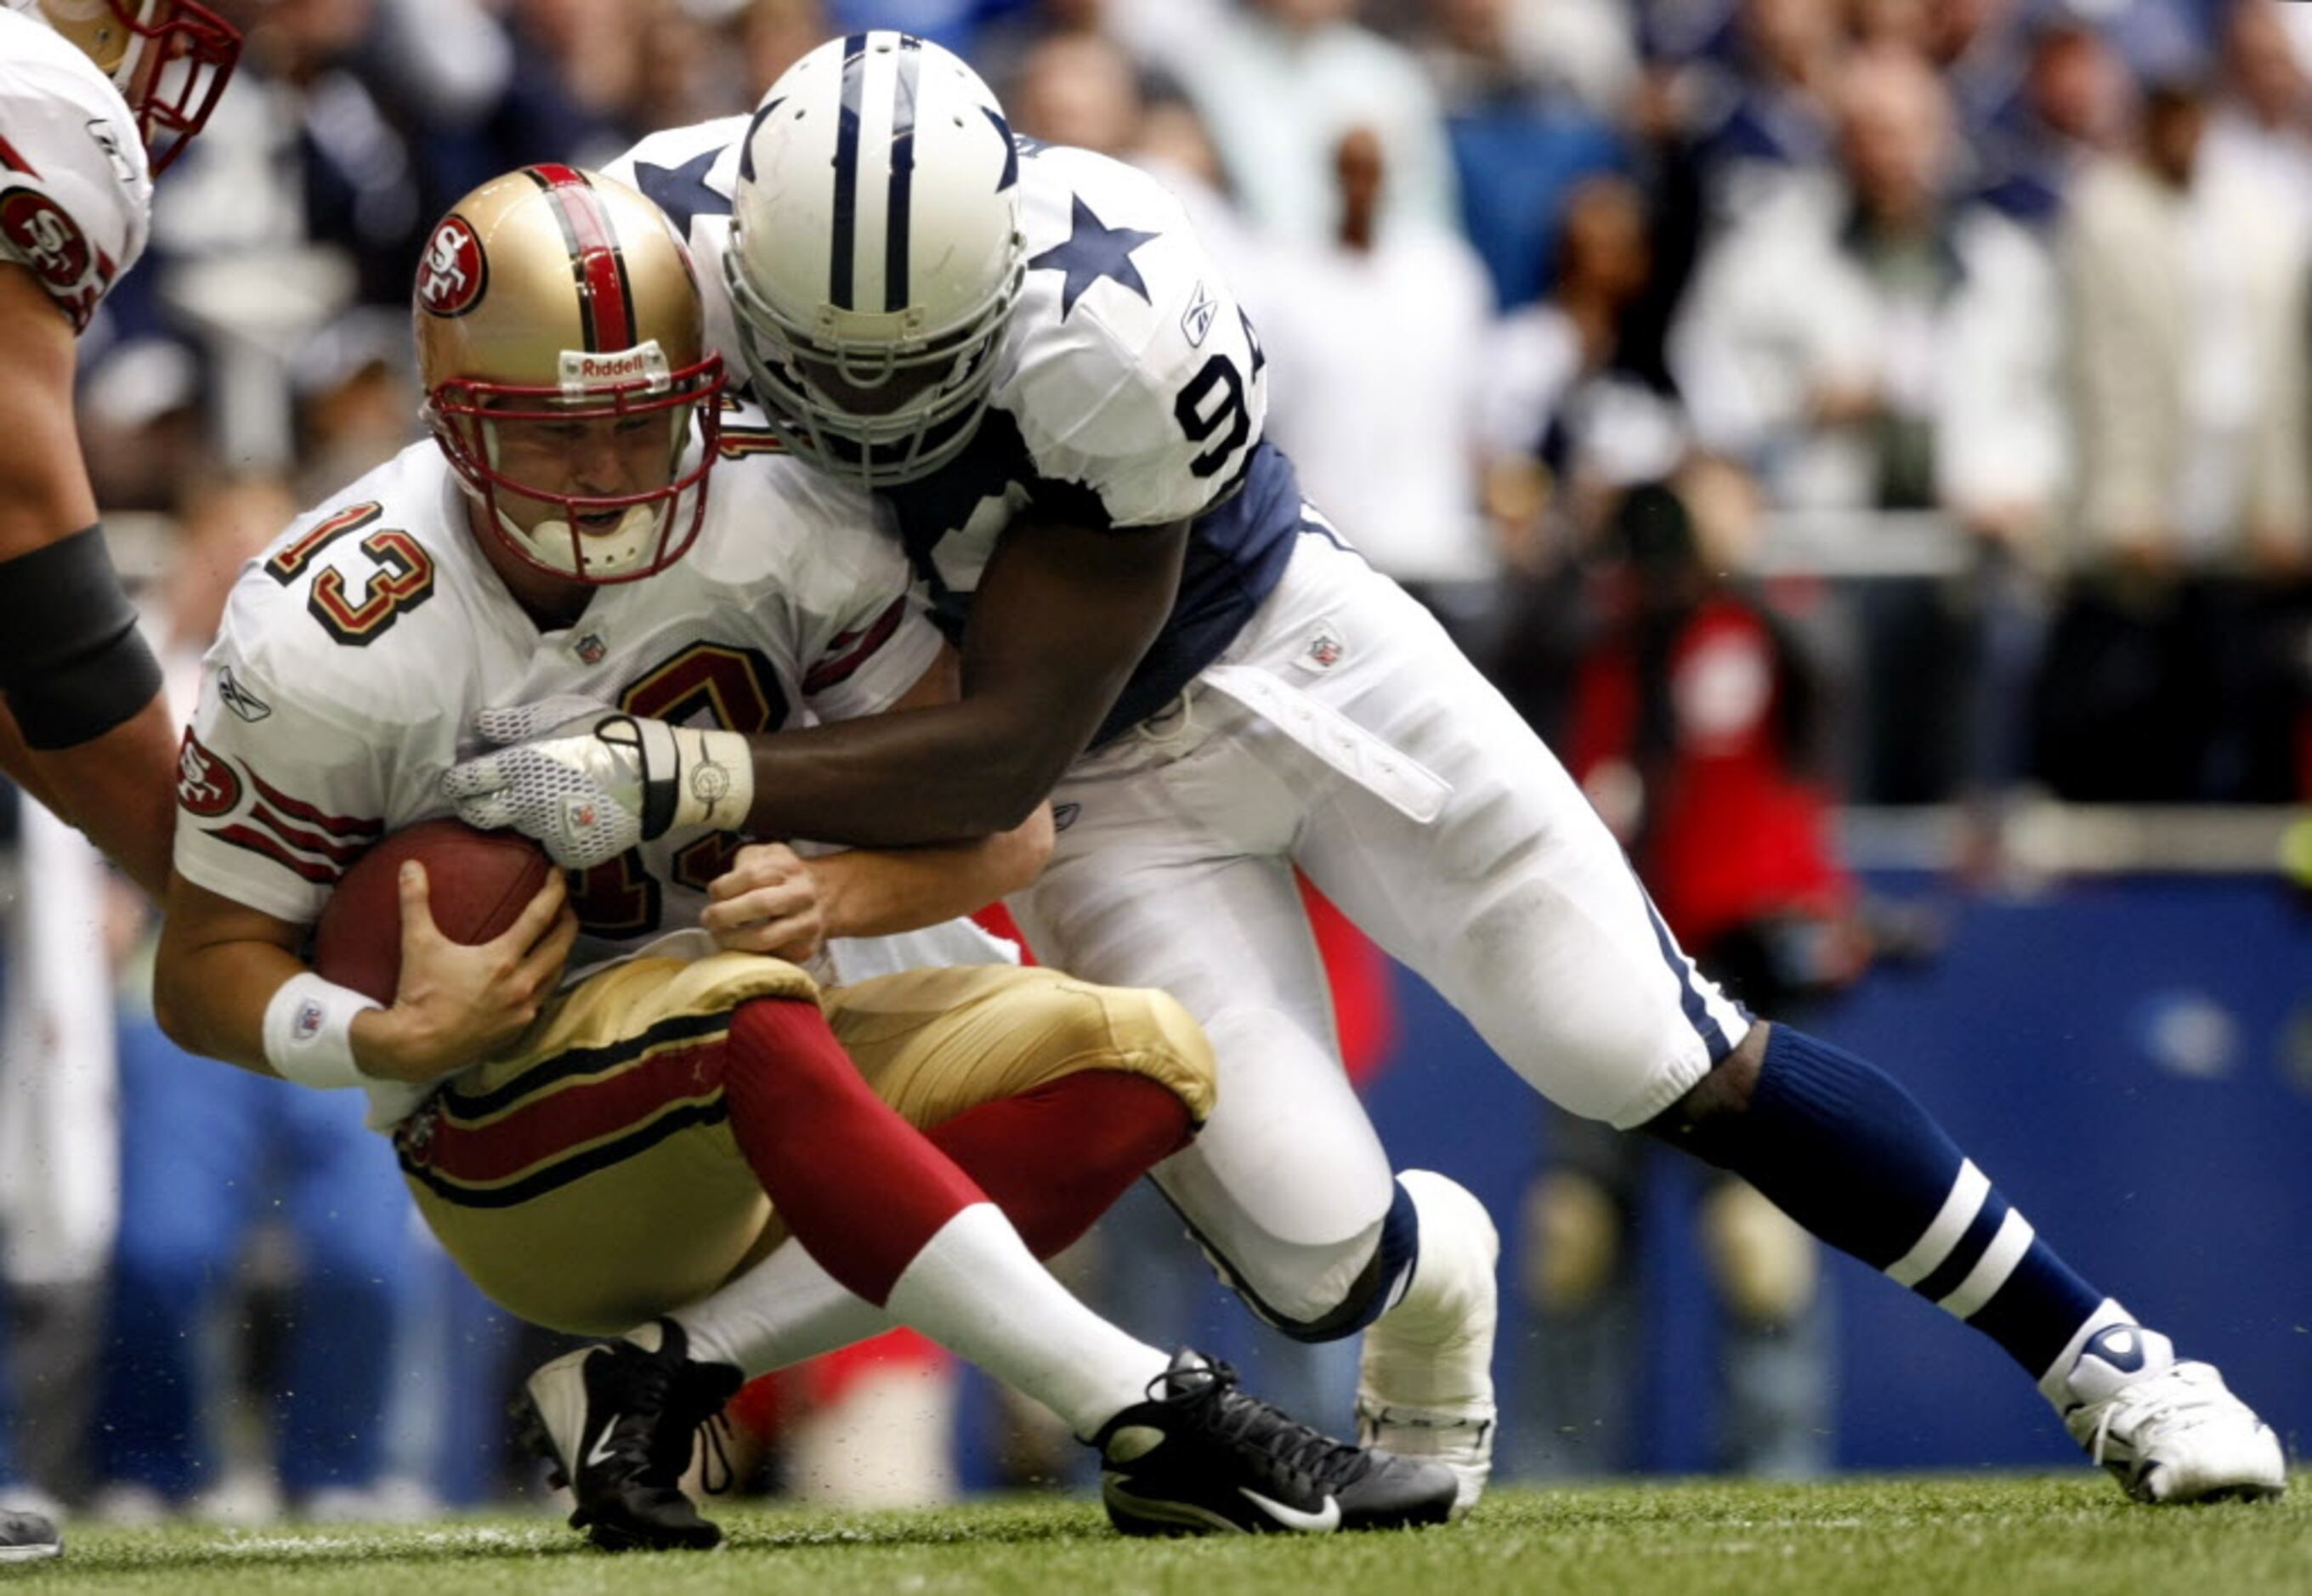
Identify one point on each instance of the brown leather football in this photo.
(479, 882)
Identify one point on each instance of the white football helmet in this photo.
(875, 254)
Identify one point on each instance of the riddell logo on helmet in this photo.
(585, 369)
(453, 273)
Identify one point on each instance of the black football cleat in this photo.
(617, 1421)
(28, 1537)
(1200, 1457)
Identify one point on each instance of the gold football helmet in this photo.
(563, 349)
(168, 58)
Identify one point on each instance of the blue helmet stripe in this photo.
(846, 172)
(903, 174)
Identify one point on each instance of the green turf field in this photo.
(2001, 1536)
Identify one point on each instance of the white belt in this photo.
(1399, 780)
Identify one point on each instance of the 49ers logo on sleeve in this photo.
(453, 275)
(206, 784)
(36, 230)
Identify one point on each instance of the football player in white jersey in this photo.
(95, 96)
(607, 1155)
(87, 88)
(1024, 352)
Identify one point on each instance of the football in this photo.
(479, 882)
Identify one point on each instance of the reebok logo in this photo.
(1308, 1523)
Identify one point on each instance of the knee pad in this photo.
(1372, 1292)
(1764, 1267)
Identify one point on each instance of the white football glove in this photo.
(591, 786)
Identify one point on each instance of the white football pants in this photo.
(1343, 732)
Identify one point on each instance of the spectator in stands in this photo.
(1768, 111)
(1871, 344)
(1521, 137)
(1279, 82)
(2070, 105)
(2262, 125)
(2166, 677)
(1574, 411)
(1376, 339)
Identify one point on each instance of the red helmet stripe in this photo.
(13, 161)
(606, 301)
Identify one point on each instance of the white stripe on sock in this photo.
(1991, 1270)
(1968, 1195)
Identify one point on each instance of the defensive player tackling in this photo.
(607, 1155)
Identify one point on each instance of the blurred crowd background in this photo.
(1794, 403)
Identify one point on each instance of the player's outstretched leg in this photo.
(28, 1537)
(1200, 1455)
(1425, 1383)
(1847, 1153)
(616, 1422)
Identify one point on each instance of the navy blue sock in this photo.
(1841, 1148)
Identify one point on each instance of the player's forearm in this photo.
(951, 772)
(210, 997)
(879, 892)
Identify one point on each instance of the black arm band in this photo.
(73, 664)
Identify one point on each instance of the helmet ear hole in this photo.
(867, 330)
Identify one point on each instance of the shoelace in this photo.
(1211, 1395)
(713, 1434)
(2144, 1413)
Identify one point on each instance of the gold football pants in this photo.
(589, 1181)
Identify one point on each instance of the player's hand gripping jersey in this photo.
(353, 656)
(75, 196)
(1129, 392)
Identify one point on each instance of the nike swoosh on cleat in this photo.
(1292, 1518)
(599, 1453)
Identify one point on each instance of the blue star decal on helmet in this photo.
(681, 191)
(1094, 250)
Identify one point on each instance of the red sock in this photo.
(858, 1186)
(1054, 1159)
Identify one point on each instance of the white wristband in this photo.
(308, 1029)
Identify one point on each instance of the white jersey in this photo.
(353, 655)
(75, 193)
(1130, 390)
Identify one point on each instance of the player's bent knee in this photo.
(1079, 1026)
(1154, 1034)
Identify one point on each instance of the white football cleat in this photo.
(1426, 1386)
(2168, 1429)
